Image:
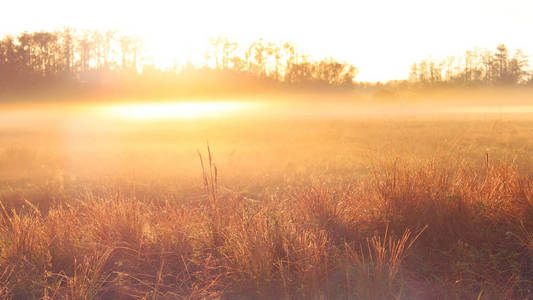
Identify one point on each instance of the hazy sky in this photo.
(381, 37)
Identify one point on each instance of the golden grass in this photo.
(306, 242)
(328, 221)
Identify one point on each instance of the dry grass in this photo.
(315, 226)
(472, 236)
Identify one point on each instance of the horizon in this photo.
(341, 35)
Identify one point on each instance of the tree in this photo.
(501, 64)
(517, 67)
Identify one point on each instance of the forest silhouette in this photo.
(108, 64)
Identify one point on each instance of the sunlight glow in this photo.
(382, 38)
(176, 110)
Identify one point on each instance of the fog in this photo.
(26, 114)
(265, 135)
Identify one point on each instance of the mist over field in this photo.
(332, 169)
(262, 168)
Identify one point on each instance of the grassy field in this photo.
(373, 206)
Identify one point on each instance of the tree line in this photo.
(90, 57)
(65, 55)
(477, 67)
(280, 62)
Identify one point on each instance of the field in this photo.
(334, 202)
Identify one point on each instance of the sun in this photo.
(164, 53)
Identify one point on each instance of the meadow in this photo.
(335, 202)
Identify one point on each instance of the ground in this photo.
(330, 202)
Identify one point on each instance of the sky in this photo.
(381, 37)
